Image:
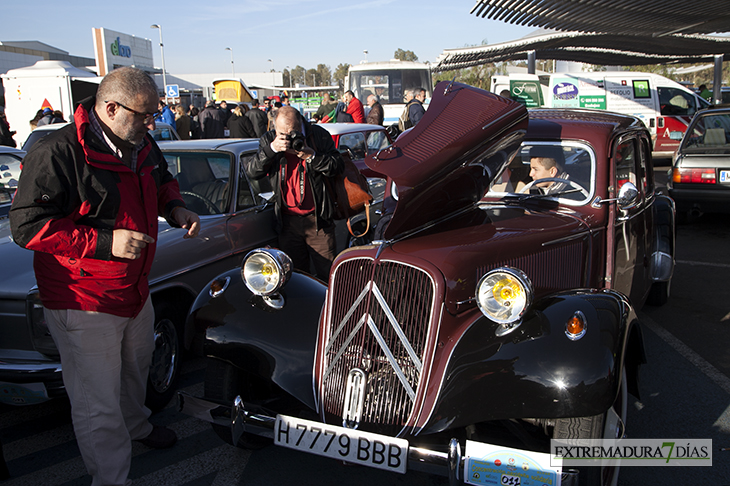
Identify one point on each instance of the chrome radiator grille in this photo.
(379, 322)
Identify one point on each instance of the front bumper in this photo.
(240, 421)
(18, 376)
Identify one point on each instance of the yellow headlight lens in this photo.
(504, 294)
(265, 270)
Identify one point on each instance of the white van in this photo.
(54, 83)
(664, 105)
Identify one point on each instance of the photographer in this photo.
(297, 157)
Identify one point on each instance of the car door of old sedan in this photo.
(250, 225)
(629, 252)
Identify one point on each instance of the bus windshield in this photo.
(389, 84)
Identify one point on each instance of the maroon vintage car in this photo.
(477, 324)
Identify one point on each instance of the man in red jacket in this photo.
(354, 107)
(87, 204)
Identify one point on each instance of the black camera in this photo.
(297, 140)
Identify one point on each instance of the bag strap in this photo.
(367, 227)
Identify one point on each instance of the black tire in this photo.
(166, 359)
(595, 428)
(658, 293)
(223, 382)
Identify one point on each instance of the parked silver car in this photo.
(234, 219)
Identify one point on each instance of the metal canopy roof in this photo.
(648, 17)
(592, 48)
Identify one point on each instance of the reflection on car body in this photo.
(234, 219)
(507, 318)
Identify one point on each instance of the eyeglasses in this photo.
(147, 117)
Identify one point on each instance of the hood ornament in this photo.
(354, 398)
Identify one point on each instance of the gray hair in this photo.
(124, 84)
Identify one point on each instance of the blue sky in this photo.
(289, 32)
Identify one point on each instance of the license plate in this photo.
(25, 394)
(350, 445)
(725, 176)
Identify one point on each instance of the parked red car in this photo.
(501, 320)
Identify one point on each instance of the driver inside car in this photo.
(548, 162)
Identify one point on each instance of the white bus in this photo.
(389, 80)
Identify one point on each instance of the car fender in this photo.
(276, 344)
(662, 255)
(536, 371)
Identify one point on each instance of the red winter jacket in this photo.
(73, 192)
(355, 109)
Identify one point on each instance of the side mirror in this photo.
(628, 196)
(676, 135)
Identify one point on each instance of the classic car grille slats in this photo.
(555, 268)
(379, 323)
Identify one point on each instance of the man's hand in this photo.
(280, 143)
(305, 153)
(187, 220)
(129, 244)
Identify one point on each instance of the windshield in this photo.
(708, 132)
(389, 84)
(562, 170)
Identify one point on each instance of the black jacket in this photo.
(259, 120)
(240, 127)
(327, 162)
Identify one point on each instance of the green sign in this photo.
(595, 102)
(529, 93)
(641, 89)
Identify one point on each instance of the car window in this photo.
(246, 194)
(647, 176)
(709, 132)
(676, 102)
(377, 140)
(575, 162)
(203, 178)
(258, 186)
(355, 142)
(162, 134)
(625, 158)
(9, 170)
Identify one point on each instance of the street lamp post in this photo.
(272, 64)
(162, 53)
(366, 55)
(233, 69)
(289, 71)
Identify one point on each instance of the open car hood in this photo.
(446, 162)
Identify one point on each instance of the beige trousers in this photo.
(105, 362)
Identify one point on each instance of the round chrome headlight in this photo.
(504, 295)
(266, 270)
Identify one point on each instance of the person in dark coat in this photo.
(182, 123)
(258, 118)
(239, 124)
(304, 208)
(6, 135)
(212, 121)
(375, 115)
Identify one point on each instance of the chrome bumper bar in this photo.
(240, 420)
